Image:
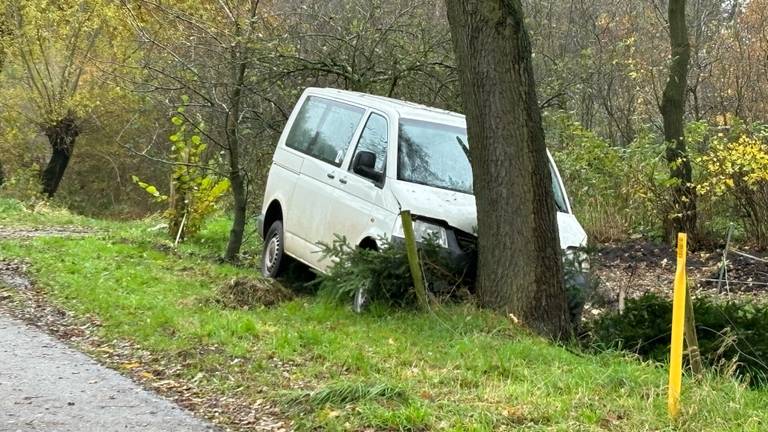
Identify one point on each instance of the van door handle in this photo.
(331, 176)
(343, 181)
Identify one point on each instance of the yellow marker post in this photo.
(678, 321)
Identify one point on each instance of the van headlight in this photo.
(576, 259)
(422, 231)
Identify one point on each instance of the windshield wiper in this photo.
(464, 148)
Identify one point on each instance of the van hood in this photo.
(459, 211)
(455, 208)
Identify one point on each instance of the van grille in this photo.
(467, 242)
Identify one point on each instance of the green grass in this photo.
(460, 370)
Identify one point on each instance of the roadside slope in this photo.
(325, 368)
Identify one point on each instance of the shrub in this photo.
(195, 188)
(737, 168)
(24, 186)
(592, 172)
(616, 191)
(731, 335)
(385, 273)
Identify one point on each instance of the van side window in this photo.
(323, 129)
(374, 139)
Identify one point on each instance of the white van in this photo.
(347, 163)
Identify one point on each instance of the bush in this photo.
(24, 186)
(731, 335)
(737, 168)
(385, 273)
(616, 191)
(195, 188)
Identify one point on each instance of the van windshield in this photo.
(437, 155)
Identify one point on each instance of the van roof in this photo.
(403, 108)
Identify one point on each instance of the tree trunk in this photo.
(683, 214)
(61, 136)
(239, 216)
(519, 269)
(237, 182)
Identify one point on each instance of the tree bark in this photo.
(61, 136)
(519, 268)
(683, 215)
(236, 179)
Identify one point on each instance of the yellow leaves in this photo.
(130, 366)
(731, 165)
(54, 56)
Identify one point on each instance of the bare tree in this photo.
(212, 64)
(519, 269)
(397, 49)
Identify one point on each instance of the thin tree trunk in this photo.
(519, 268)
(683, 216)
(61, 137)
(237, 181)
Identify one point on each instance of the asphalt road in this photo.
(47, 386)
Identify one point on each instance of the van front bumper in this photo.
(460, 255)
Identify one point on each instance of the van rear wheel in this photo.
(273, 254)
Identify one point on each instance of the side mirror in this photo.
(364, 164)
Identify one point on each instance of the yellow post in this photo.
(678, 321)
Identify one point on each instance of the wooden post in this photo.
(691, 339)
(413, 259)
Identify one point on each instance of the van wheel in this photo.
(272, 256)
(360, 301)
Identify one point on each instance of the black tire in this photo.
(273, 253)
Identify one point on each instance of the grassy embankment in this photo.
(384, 370)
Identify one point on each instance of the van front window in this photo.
(437, 155)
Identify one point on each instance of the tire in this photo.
(360, 301)
(273, 253)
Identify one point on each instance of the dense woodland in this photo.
(103, 102)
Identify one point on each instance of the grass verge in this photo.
(329, 369)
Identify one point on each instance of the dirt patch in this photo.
(27, 233)
(636, 268)
(13, 275)
(247, 293)
(236, 410)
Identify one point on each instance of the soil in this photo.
(22, 233)
(640, 267)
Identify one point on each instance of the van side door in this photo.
(322, 132)
(362, 195)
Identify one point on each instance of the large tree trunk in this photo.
(519, 268)
(61, 136)
(683, 212)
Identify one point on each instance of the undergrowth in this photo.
(731, 336)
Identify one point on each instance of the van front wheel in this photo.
(272, 256)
